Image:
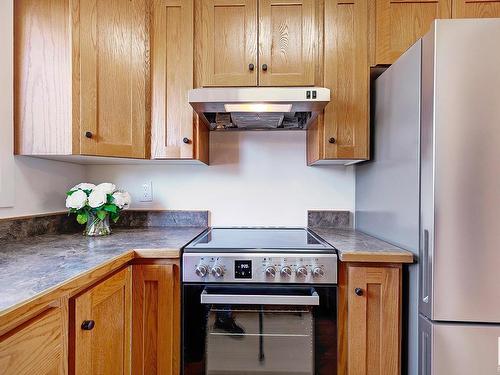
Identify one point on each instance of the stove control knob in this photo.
(201, 270)
(301, 271)
(286, 272)
(270, 272)
(218, 271)
(318, 272)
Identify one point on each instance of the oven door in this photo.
(235, 329)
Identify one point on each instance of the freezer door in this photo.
(460, 171)
(459, 349)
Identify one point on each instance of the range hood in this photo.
(258, 108)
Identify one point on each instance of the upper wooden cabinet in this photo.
(476, 8)
(91, 75)
(81, 77)
(341, 133)
(399, 23)
(102, 327)
(113, 76)
(175, 132)
(229, 45)
(287, 42)
(265, 42)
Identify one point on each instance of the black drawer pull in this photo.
(87, 325)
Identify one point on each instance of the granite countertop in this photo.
(356, 246)
(32, 266)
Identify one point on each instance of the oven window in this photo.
(233, 338)
(259, 340)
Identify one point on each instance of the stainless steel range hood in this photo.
(259, 108)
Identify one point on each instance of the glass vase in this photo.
(96, 226)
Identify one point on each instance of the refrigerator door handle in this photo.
(425, 267)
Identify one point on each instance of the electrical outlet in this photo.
(147, 192)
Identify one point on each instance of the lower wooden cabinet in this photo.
(156, 319)
(371, 307)
(102, 327)
(37, 346)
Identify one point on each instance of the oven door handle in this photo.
(257, 299)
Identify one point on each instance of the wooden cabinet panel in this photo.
(287, 39)
(373, 328)
(172, 78)
(229, 42)
(399, 23)
(36, 347)
(106, 348)
(342, 132)
(113, 80)
(42, 77)
(156, 326)
(476, 8)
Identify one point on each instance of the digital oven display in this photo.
(242, 269)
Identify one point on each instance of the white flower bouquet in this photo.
(94, 205)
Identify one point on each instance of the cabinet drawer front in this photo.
(38, 347)
(229, 42)
(287, 40)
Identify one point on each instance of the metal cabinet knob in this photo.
(88, 134)
(358, 291)
(186, 140)
(332, 140)
(87, 325)
(251, 67)
(264, 67)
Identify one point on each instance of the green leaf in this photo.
(82, 218)
(111, 208)
(101, 214)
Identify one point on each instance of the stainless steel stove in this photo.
(259, 300)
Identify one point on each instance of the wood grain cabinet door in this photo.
(342, 131)
(172, 78)
(476, 8)
(102, 325)
(36, 347)
(399, 23)
(287, 39)
(156, 326)
(112, 39)
(373, 328)
(229, 42)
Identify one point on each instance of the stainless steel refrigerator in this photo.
(433, 187)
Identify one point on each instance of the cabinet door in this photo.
(156, 326)
(113, 77)
(476, 8)
(373, 328)
(37, 347)
(172, 78)
(342, 131)
(287, 38)
(229, 42)
(399, 23)
(104, 348)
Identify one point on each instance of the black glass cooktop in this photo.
(261, 239)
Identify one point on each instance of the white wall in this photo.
(255, 178)
(28, 186)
